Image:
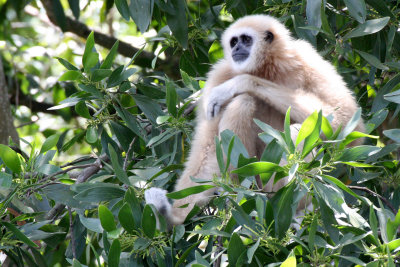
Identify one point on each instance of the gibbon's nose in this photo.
(240, 53)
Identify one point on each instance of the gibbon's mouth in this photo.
(238, 57)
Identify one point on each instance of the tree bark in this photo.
(7, 128)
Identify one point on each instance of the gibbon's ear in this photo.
(269, 36)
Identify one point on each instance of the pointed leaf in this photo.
(148, 221)
(369, 27)
(106, 218)
(10, 158)
(189, 191)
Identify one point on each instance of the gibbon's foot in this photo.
(158, 198)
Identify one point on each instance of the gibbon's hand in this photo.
(219, 95)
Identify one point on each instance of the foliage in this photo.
(138, 126)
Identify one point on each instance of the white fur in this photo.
(277, 75)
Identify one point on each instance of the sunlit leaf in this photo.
(10, 158)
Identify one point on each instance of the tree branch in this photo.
(125, 49)
(369, 191)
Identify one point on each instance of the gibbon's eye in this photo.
(233, 41)
(246, 40)
(269, 36)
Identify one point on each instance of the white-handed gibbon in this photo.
(264, 72)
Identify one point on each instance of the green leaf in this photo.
(379, 101)
(70, 75)
(106, 218)
(119, 172)
(66, 64)
(257, 168)
(100, 74)
(252, 250)
(82, 110)
(186, 254)
(101, 192)
(172, 98)
(393, 134)
(189, 191)
(357, 9)
(351, 125)
(91, 134)
(5, 180)
(290, 260)
(272, 132)
(76, 263)
(358, 153)
(307, 127)
(356, 135)
(141, 12)
(92, 224)
(149, 107)
(369, 27)
(235, 248)
(107, 63)
(284, 212)
(114, 254)
(125, 217)
(10, 158)
(216, 52)
(22, 237)
(341, 185)
(91, 89)
(49, 143)
(313, 12)
(310, 141)
(89, 58)
(178, 23)
(311, 235)
(148, 221)
(219, 154)
(393, 97)
(371, 59)
(123, 8)
(131, 199)
(288, 136)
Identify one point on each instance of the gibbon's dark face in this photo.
(241, 45)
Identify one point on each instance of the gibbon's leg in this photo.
(202, 162)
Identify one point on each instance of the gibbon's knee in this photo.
(238, 117)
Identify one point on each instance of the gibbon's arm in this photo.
(340, 104)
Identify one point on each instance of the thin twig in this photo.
(369, 191)
(217, 262)
(84, 175)
(71, 230)
(52, 176)
(76, 161)
(127, 153)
